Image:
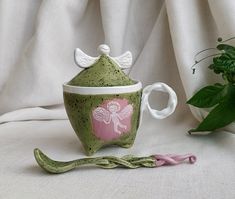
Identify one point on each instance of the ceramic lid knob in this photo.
(104, 49)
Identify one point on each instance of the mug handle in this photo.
(171, 105)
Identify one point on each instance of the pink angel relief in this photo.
(112, 119)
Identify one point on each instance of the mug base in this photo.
(89, 151)
(93, 132)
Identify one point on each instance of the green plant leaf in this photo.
(224, 63)
(226, 47)
(208, 96)
(222, 115)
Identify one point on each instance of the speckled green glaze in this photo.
(79, 108)
(106, 162)
(104, 72)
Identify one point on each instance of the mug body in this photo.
(103, 116)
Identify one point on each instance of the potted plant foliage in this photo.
(219, 98)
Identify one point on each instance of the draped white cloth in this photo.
(37, 41)
(38, 38)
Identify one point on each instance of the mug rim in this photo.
(84, 90)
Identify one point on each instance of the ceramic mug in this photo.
(111, 115)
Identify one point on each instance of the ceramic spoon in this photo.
(109, 162)
(53, 166)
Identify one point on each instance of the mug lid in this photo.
(102, 71)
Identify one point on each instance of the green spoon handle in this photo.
(106, 162)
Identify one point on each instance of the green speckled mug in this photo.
(104, 105)
(103, 116)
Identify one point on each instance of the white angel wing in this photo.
(82, 59)
(102, 115)
(124, 61)
(125, 112)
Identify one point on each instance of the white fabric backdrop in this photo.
(38, 38)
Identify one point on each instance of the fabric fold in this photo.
(38, 40)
